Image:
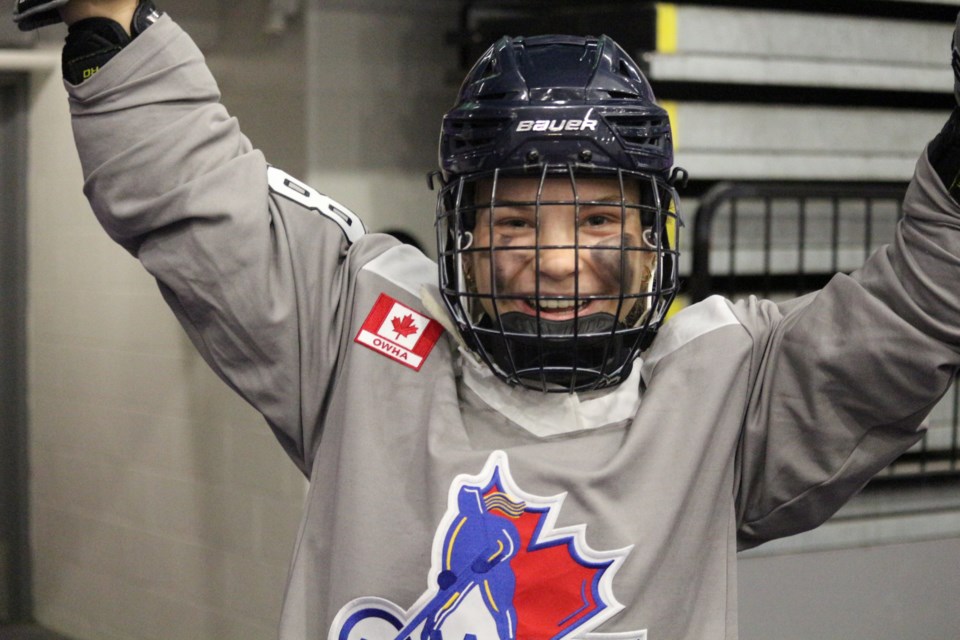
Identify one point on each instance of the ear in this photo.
(650, 238)
(469, 277)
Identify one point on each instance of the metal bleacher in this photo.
(799, 124)
(780, 240)
(845, 90)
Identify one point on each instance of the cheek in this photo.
(609, 265)
(506, 266)
(613, 266)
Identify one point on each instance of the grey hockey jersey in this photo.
(443, 503)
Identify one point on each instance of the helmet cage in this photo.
(591, 350)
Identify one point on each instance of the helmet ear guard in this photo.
(575, 111)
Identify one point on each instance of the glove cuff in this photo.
(90, 44)
(93, 42)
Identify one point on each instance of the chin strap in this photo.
(93, 42)
(556, 355)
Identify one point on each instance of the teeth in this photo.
(557, 305)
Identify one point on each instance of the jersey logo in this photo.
(284, 185)
(400, 333)
(501, 570)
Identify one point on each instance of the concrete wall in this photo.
(875, 592)
(160, 506)
(354, 110)
(884, 568)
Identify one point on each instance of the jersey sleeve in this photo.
(257, 266)
(844, 377)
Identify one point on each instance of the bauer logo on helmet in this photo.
(556, 126)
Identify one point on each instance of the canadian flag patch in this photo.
(400, 333)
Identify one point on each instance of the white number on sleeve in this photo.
(282, 184)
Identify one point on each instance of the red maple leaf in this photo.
(556, 589)
(405, 326)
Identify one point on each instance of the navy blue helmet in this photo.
(557, 218)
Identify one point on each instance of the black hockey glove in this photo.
(33, 14)
(92, 42)
(956, 60)
(944, 151)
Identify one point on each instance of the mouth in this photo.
(556, 309)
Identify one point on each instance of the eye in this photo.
(598, 219)
(514, 219)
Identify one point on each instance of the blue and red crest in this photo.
(501, 570)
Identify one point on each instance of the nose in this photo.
(558, 263)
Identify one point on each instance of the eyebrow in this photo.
(608, 199)
(617, 200)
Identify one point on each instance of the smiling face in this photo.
(577, 261)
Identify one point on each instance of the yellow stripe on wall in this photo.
(666, 27)
(667, 43)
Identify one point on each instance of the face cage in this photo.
(583, 354)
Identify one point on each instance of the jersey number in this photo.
(282, 184)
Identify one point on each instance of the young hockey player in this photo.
(508, 444)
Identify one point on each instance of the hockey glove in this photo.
(92, 42)
(944, 151)
(956, 60)
(33, 14)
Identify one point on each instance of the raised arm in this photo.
(847, 375)
(258, 267)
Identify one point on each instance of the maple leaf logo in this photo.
(501, 568)
(404, 327)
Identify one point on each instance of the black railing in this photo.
(780, 240)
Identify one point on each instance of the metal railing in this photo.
(780, 240)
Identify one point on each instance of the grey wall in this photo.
(882, 592)
(14, 559)
(354, 109)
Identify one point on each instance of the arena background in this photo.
(140, 499)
